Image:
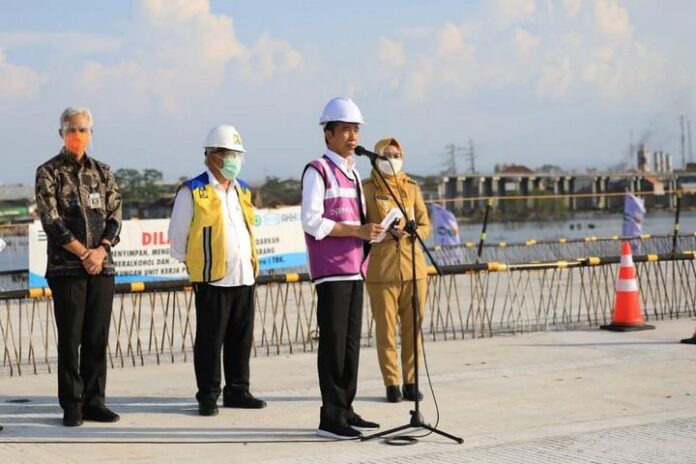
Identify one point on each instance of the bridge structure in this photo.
(579, 192)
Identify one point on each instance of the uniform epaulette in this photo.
(243, 184)
(411, 181)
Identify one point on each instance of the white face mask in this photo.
(386, 168)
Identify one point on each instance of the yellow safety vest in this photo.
(206, 247)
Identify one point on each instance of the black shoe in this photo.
(99, 414)
(410, 392)
(207, 408)
(394, 394)
(72, 417)
(338, 432)
(358, 423)
(0, 428)
(243, 400)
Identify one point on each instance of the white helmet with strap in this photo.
(341, 109)
(224, 136)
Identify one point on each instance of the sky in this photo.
(533, 82)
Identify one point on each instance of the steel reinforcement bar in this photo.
(155, 322)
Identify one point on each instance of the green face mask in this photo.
(231, 167)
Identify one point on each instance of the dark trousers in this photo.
(82, 308)
(339, 315)
(224, 316)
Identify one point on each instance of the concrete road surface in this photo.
(585, 396)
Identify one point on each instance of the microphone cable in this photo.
(409, 439)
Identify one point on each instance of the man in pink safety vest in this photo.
(333, 219)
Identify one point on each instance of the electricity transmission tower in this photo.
(453, 151)
(471, 157)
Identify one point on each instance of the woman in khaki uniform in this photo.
(389, 274)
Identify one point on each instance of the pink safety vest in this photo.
(344, 202)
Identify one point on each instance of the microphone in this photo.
(361, 151)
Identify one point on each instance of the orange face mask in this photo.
(76, 142)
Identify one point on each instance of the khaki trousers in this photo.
(391, 304)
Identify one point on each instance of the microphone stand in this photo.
(417, 420)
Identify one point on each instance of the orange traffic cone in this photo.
(627, 313)
(691, 341)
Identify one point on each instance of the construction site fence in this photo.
(154, 323)
(560, 249)
(507, 252)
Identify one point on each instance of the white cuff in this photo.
(325, 228)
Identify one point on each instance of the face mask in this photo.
(76, 142)
(386, 168)
(231, 167)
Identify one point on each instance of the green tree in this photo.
(139, 189)
(276, 192)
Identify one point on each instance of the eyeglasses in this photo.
(229, 154)
(81, 130)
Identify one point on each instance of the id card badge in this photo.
(95, 201)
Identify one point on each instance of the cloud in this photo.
(555, 79)
(613, 19)
(525, 40)
(270, 57)
(446, 54)
(186, 30)
(450, 41)
(564, 56)
(391, 53)
(17, 82)
(631, 71)
(95, 77)
(172, 54)
(514, 11)
(572, 7)
(68, 43)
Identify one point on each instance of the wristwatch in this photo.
(106, 246)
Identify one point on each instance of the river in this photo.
(579, 226)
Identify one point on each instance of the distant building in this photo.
(17, 203)
(512, 169)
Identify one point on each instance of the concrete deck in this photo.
(574, 396)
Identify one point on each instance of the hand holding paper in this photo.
(387, 222)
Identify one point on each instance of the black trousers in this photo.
(82, 308)
(339, 315)
(224, 316)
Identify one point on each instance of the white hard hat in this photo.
(341, 109)
(224, 136)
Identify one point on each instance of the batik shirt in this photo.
(77, 201)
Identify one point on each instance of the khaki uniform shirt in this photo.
(390, 259)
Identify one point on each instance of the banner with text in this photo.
(142, 255)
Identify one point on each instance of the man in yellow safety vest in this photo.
(211, 232)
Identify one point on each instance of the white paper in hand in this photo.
(388, 220)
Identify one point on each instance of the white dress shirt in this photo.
(312, 212)
(239, 270)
